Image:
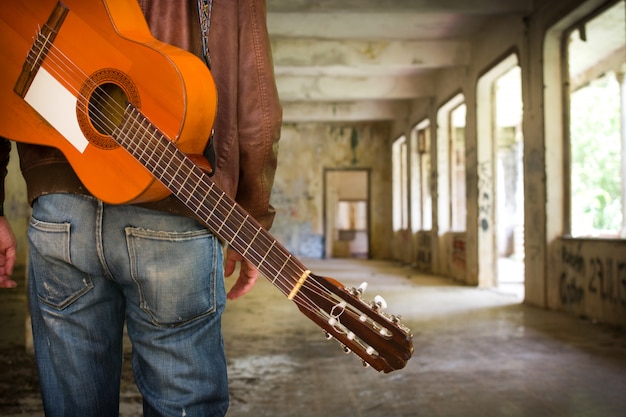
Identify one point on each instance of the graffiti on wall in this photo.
(458, 252)
(485, 183)
(424, 252)
(584, 277)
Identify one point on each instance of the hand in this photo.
(8, 254)
(248, 274)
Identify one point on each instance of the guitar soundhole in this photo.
(101, 104)
(106, 108)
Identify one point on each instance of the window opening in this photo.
(400, 185)
(597, 144)
(458, 206)
(421, 195)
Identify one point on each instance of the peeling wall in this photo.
(306, 150)
(454, 260)
(423, 250)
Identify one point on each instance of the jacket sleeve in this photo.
(259, 113)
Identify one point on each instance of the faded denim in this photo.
(94, 266)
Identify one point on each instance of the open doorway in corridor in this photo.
(346, 213)
(510, 182)
(501, 179)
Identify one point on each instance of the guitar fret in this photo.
(152, 136)
(281, 269)
(160, 157)
(266, 253)
(226, 218)
(133, 127)
(192, 179)
(119, 133)
(217, 203)
(140, 130)
(192, 192)
(200, 206)
(252, 240)
(240, 226)
(173, 176)
(166, 168)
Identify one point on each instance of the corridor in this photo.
(478, 352)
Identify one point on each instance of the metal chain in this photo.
(204, 12)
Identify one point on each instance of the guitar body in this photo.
(115, 51)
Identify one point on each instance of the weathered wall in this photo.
(423, 244)
(306, 150)
(453, 249)
(452, 255)
(587, 277)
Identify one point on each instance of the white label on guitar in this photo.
(57, 105)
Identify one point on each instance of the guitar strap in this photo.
(204, 12)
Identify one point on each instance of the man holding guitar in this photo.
(138, 256)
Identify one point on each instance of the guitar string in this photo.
(53, 52)
(351, 309)
(304, 301)
(248, 248)
(68, 70)
(357, 314)
(234, 211)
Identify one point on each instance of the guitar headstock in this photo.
(361, 327)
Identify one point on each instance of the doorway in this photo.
(501, 179)
(510, 182)
(346, 213)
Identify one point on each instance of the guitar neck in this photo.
(198, 192)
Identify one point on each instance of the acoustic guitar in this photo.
(88, 78)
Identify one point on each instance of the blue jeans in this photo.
(94, 266)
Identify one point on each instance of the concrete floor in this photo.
(478, 352)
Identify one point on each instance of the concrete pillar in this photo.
(621, 78)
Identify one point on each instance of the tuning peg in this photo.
(385, 332)
(328, 335)
(358, 292)
(346, 349)
(365, 364)
(379, 303)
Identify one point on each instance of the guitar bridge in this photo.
(40, 49)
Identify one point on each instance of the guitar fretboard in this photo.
(198, 192)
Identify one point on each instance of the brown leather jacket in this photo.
(249, 116)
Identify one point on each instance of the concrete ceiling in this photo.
(362, 60)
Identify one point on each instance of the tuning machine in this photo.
(358, 292)
(379, 303)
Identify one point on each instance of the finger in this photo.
(245, 282)
(229, 267)
(10, 257)
(7, 283)
(232, 259)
